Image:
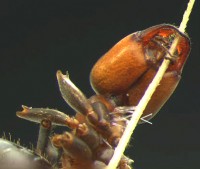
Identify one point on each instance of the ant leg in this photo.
(59, 155)
(72, 146)
(102, 112)
(75, 151)
(125, 163)
(98, 165)
(54, 154)
(76, 99)
(88, 135)
(44, 145)
(95, 112)
(56, 117)
(72, 95)
(43, 137)
(46, 118)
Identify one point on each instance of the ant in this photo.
(119, 79)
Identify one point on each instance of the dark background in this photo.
(39, 37)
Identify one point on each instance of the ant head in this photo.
(125, 63)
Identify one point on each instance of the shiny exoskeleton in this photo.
(13, 156)
(119, 78)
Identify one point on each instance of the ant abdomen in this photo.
(14, 156)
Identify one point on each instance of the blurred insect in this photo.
(119, 78)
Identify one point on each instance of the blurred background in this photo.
(39, 37)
